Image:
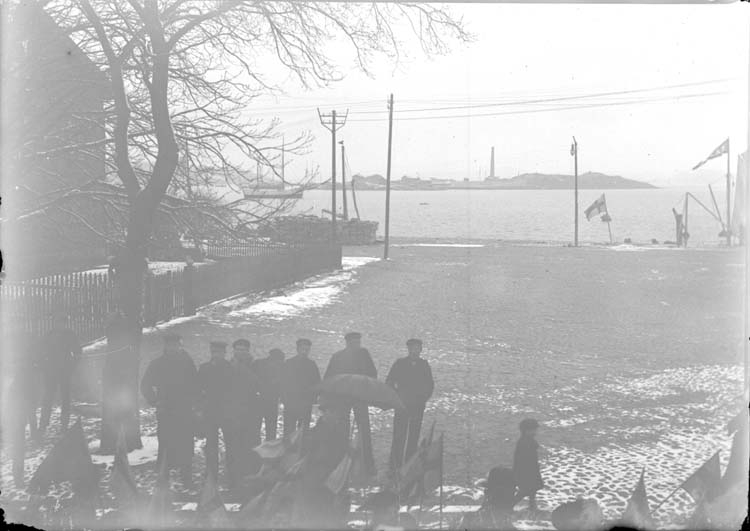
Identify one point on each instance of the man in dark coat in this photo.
(119, 385)
(214, 386)
(269, 372)
(170, 385)
(243, 430)
(411, 377)
(526, 463)
(60, 351)
(354, 359)
(301, 375)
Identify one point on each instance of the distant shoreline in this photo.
(480, 187)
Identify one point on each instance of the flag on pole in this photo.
(597, 207)
(704, 482)
(718, 152)
(121, 480)
(637, 513)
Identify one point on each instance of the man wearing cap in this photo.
(301, 376)
(170, 384)
(244, 411)
(411, 377)
(214, 385)
(269, 372)
(61, 350)
(354, 359)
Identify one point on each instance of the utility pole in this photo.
(329, 122)
(343, 181)
(574, 152)
(729, 195)
(283, 149)
(388, 180)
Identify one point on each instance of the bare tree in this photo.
(182, 76)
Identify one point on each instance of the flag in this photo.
(572, 149)
(69, 460)
(338, 478)
(597, 207)
(704, 482)
(121, 480)
(637, 513)
(718, 152)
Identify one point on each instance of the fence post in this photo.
(188, 277)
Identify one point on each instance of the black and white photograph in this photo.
(377, 266)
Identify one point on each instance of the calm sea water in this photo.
(545, 215)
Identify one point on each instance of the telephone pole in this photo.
(388, 180)
(729, 195)
(574, 152)
(330, 122)
(343, 181)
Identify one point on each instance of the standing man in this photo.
(244, 412)
(354, 359)
(214, 386)
(411, 377)
(269, 372)
(170, 385)
(301, 376)
(60, 353)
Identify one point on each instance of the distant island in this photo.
(526, 181)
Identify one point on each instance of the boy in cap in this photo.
(243, 429)
(269, 372)
(214, 384)
(169, 384)
(354, 359)
(526, 463)
(301, 375)
(411, 377)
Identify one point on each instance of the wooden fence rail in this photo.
(88, 297)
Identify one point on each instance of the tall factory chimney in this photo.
(492, 163)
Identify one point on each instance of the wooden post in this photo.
(333, 178)
(575, 193)
(388, 180)
(685, 235)
(729, 195)
(343, 182)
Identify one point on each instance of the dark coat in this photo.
(171, 383)
(244, 393)
(301, 375)
(348, 361)
(60, 351)
(526, 465)
(215, 387)
(412, 380)
(270, 373)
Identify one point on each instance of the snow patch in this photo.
(315, 293)
(144, 455)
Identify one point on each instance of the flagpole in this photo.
(609, 228)
(669, 496)
(729, 195)
(575, 158)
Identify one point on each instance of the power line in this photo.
(553, 99)
(554, 109)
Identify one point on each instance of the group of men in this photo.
(239, 396)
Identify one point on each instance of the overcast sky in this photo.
(543, 52)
